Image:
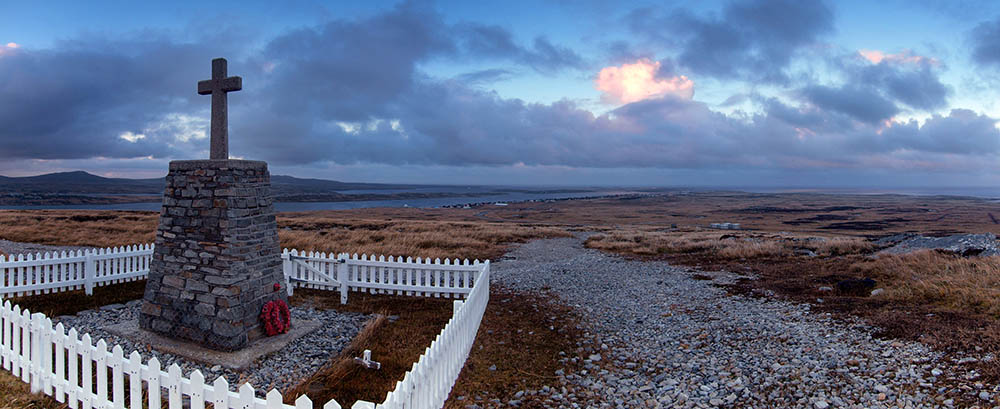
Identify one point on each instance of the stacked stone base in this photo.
(217, 259)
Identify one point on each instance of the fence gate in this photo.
(311, 272)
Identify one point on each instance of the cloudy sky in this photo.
(732, 93)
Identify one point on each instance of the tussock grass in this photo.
(950, 282)
(649, 243)
(751, 249)
(723, 244)
(839, 246)
(715, 243)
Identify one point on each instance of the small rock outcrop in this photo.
(964, 244)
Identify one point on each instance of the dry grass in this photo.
(651, 243)
(838, 246)
(77, 227)
(722, 244)
(315, 231)
(951, 283)
(944, 281)
(434, 239)
(511, 319)
(522, 337)
(396, 345)
(15, 394)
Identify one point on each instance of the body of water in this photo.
(981, 192)
(310, 206)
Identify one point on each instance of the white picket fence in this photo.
(27, 274)
(430, 380)
(74, 370)
(344, 272)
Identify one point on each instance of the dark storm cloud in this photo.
(876, 91)
(75, 101)
(351, 69)
(861, 103)
(985, 39)
(906, 78)
(752, 40)
(961, 132)
(919, 87)
(496, 42)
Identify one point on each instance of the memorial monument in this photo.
(217, 259)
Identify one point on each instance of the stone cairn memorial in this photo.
(217, 259)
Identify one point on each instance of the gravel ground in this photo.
(660, 338)
(296, 361)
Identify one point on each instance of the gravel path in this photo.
(661, 338)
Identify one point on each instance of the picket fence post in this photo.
(153, 383)
(173, 385)
(34, 353)
(60, 347)
(73, 387)
(286, 269)
(273, 399)
(89, 272)
(342, 276)
(303, 402)
(197, 392)
(220, 397)
(135, 380)
(247, 398)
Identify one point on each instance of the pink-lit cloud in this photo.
(9, 47)
(903, 57)
(638, 81)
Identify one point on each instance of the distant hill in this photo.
(281, 185)
(81, 182)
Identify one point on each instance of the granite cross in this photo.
(218, 86)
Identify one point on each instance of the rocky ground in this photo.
(663, 336)
(984, 244)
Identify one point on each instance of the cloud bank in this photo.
(351, 92)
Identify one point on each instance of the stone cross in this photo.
(218, 86)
